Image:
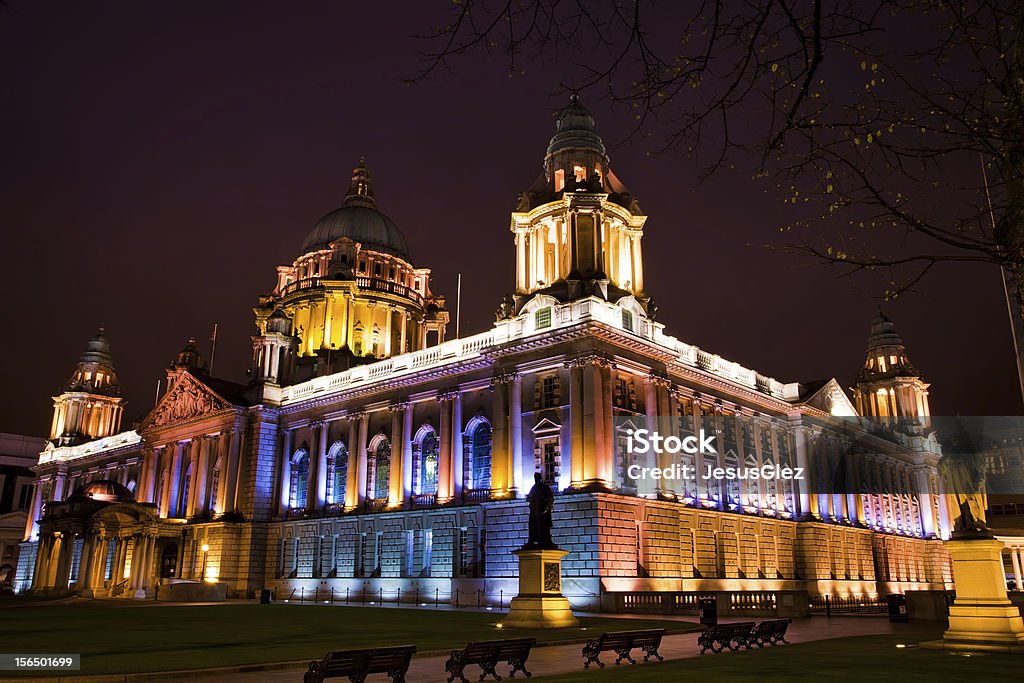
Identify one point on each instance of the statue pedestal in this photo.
(981, 618)
(540, 603)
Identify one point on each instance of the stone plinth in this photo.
(981, 618)
(540, 603)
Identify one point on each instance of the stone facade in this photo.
(400, 471)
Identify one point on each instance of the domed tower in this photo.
(189, 358)
(273, 352)
(578, 229)
(353, 295)
(90, 404)
(888, 386)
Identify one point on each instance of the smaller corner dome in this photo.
(576, 129)
(103, 491)
(883, 333)
(359, 219)
(97, 350)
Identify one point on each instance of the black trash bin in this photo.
(897, 607)
(265, 596)
(708, 611)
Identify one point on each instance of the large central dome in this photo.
(359, 219)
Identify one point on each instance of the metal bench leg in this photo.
(652, 651)
(623, 653)
(397, 675)
(518, 664)
(488, 670)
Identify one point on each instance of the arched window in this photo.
(300, 478)
(480, 456)
(338, 457)
(426, 467)
(380, 472)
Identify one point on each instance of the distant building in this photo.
(370, 453)
(17, 454)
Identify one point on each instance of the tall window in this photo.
(337, 459)
(481, 456)
(300, 478)
(428, 463)
(548, 392)
(548, 459)
(381, 472)
(186, 484)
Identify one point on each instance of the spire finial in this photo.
(360, 190)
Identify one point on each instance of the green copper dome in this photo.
(360, 220)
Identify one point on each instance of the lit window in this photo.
(559, 180)
(542, 318)
(892, 359)
(627, 320)
(580, 173)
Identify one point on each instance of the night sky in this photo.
(157, 161)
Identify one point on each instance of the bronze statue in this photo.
(963, 470)
(542, 500)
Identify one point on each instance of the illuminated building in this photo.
(371, 453)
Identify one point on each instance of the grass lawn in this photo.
(865, 658)
(114, 637)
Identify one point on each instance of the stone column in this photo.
(575, 367)
(396, 476)
(67, 547)
(655, 408)
(445, 455)
(285, 501)
(85, 564)
(808, 500)
(202, 475)
(362, 466)
(407, 453)
(230, 502)
(521, 481)
(596, 417)
(924, 503)
(352, 483)
(59, 482)
(35, 512)
(321, 466)
(193, 458)
(1015, 559)
(458, 454)
(501, 455)
(42, 568)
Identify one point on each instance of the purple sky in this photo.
(158, 161)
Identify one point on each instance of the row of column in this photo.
(55, 557)
(212, 487)
(1017, 561)
(91, 417)
(506, 451)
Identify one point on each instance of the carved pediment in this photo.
(188, 398)
(832, 399)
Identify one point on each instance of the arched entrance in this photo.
(169, 561)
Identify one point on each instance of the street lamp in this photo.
(205, 548)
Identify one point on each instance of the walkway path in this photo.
(560, 659)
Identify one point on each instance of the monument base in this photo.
(540, 603)
(981, 618)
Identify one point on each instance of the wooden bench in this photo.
(769, 632)
(358, 664)
(487, 654)
(621, 642)
(721, 636)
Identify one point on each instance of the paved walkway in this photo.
(560, 659)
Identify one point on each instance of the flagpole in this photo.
(213, 349)
(458, 306)
(1012, 309)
